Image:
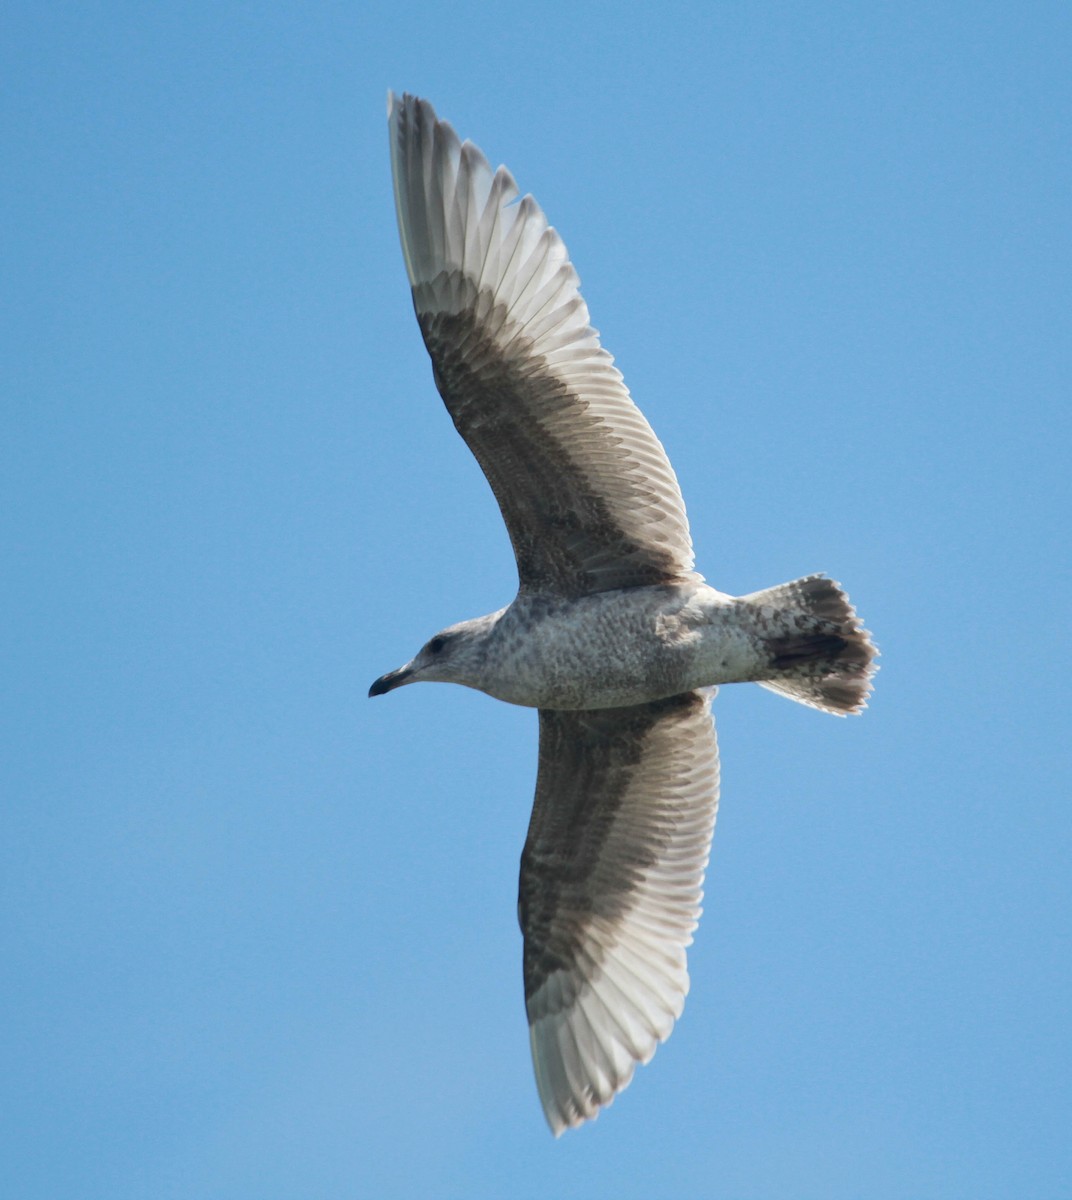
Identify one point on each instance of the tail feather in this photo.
(821, 655)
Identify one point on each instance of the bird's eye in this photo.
(437, 644)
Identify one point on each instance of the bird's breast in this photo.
(608, 650)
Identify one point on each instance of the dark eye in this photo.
(437, 644)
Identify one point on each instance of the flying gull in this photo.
(613, 636)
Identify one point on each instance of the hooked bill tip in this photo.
(387, 683)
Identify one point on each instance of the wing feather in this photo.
(611, 883)
(589, 498)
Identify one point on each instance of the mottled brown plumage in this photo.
(613, 636)
(523, 422)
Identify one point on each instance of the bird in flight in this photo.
(613, 636)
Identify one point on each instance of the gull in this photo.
(613, 636)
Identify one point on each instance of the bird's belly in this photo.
(587, 680)
(614, 649)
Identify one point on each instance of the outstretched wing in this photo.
(589, 497)
(611, 883)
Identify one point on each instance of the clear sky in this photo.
(258, 931)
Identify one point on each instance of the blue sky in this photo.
(258, 931)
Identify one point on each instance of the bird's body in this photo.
(627, 646)
(613, 636)
(617, 648)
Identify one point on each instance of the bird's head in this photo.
(455, 655)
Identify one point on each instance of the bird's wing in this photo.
(588, 495)
(611, 883)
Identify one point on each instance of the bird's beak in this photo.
(387, 683)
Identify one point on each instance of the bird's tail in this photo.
(821, 655)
